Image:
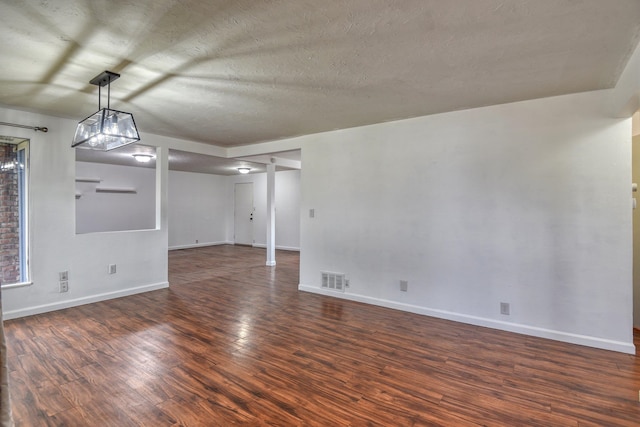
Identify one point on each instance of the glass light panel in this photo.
(105, 130)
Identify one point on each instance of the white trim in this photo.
(27, 238)
(30, 311)
(199, 245)
(282, 248)
(141, 230)
(568, 337)
(16, 285)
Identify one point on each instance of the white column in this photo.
(162, 189)
(271, 214)
(162, 201)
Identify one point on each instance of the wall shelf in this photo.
(85, 179)
(116, 190)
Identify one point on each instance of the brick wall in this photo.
(9, 221)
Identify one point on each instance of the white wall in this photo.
(98, 212)
(635, 131)
(636, 233)
(201, 207)
(526, 203)
(198, 209)
(287, 208)
(140, 256)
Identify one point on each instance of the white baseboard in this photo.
(585, 340)
(45, 308)
(282, 248)
(199, 245)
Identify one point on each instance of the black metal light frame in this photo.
(107, 128)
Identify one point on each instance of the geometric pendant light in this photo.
(105, 129)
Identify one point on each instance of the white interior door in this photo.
(243, 214)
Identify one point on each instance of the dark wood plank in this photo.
(233, 342)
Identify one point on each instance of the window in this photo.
(14, 238)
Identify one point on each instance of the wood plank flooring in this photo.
(233, 342)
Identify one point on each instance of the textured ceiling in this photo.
(239, 72)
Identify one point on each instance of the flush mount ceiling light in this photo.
(244, 170)
(142, 157)
(105, 129)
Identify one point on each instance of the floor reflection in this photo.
(332, 310)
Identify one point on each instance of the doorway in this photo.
(243, 214)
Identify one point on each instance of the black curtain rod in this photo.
(36, 128)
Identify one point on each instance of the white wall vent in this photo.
(333, 281)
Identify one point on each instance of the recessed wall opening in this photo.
(116, 190)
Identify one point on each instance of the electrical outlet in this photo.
(312, 213)
(112, 269)
(64, 286)
(404, 285)
(197, 241)
(505, 308)
(64, 275)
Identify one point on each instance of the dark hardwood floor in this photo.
(233, 342)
